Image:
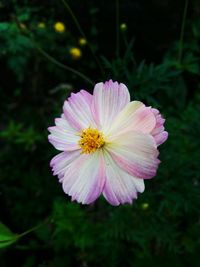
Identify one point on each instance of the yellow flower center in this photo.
(91, 140)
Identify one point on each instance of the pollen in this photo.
(91, 140)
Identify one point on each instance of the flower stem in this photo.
(53, 60)
(30, 230)
(18, 236)
(180, 52)
(83, 34)
(59, 64)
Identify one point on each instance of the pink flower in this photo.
(109, 144)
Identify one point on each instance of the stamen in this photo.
(91, 140)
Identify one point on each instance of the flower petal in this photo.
(109, 99)
(63, 137)
(120, 187)
(135, 116)
(158, 132)
(61, 161)
(135, 153)
(161, 138)
(85, 177)
(77, 110)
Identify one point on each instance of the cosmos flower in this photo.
(75, 53)
(109, 144)
(59, 27)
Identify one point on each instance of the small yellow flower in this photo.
(123, 27)
(75, 52)
(144, 206)
(82, 41)
(59, 27)
(41, 25)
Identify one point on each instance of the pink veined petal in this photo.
(62, 136)
(60, 162)
(135, 153)
(120, 187)
(161, 138)
(77, 110)
(159, 133)
(134, 117)
(85, 177)
(109, 99)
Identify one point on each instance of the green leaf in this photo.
(6, 236)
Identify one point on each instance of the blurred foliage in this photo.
(161, 228)
(6, 236)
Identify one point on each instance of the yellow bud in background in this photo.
(82, 41)
(144, 206)
(59, 27)
(123, 27)
(41, 25)
(75, 52)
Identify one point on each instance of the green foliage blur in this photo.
(40, 226)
